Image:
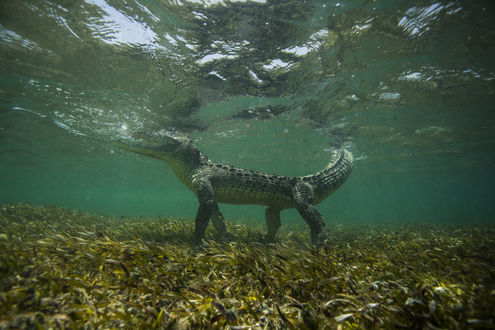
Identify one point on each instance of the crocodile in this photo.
(214, 183)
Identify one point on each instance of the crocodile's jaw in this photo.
(145, 150)
(175, 152)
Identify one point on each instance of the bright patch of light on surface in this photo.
(170, 39)
(277, 64)
(177, 37)
(216, 74)
(150, 14)
(14, 39)
(30, 111)
(472, 72)
(319, 35)
(298, 50)
(226, 50)
(66, 25)
(220, 2)
(181, 38)
(191, 46)
(314, 43)
(199, 15)
(417, 20)
(411, 76)
(123, 29)
(388, 96)
(213, 57)
(67, 128)
(230, 47)
(360, 27)
(430, 73)
(434, 130)
(255, 77)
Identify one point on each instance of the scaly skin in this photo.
(214, 183)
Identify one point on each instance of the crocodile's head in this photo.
(167, 146)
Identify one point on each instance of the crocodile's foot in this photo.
(321, 237)
(226, 236)
(269, 239)
(199, 246)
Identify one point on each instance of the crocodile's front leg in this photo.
(303, 195)
(206, 207)
(272, 218)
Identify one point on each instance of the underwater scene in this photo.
(247, 164)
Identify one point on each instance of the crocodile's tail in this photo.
(333, 175)
(338, 170)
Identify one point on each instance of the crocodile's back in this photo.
(235, 185)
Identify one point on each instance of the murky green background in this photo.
(407, 86)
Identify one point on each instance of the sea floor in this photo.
(67, 269)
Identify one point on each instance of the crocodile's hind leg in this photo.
(219, 224)
(303, 195)
(272, 218)
(218, 220)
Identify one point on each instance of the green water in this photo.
(407, 86)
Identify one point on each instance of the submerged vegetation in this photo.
(66, 269)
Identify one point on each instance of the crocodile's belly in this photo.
(252, 195)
